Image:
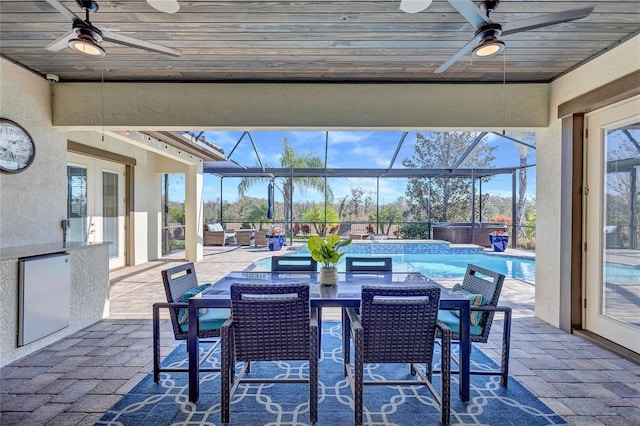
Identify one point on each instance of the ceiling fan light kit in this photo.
(86, 44)
(488, 48)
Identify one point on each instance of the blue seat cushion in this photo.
(212, 319)
(474, 299)
(452, 320)
(183, 313)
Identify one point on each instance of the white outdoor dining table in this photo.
(345, 294)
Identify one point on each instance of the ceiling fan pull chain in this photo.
(504, 92)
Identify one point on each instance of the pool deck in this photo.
(77, 379)
(624, 257)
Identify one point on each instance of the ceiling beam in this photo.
(214, 106)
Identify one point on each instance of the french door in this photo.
(95, 204)
(612, 257)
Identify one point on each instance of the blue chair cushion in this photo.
(212, 319)
(452, 320)
(474, 300)
(183, 313)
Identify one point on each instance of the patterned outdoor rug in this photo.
(166, 403)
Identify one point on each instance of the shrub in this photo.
(415, 231)
(500, 218)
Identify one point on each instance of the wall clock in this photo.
(16, 147)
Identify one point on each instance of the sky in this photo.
(347, 149)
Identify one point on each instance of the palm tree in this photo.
(291, 159)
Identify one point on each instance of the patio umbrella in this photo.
(270, 201)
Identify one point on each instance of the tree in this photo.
(446, 198)
(316, 215)
(176, 214)
(258, 214)
(522, 173)
(286, 185)
(388, 215)
(357, 196)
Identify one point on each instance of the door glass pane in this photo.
(77, 204)
(621, 257)
(110, 211)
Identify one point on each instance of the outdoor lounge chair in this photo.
(215, 234)
(344, 229)
(244, 237)
(181, 283)
(397, 325)
(480, 281)
(269, 322)
(260, 238)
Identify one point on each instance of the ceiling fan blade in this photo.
(61, 43)
(139, 44)
(166, 6)
(62, 9)
(471, 12)
(545, 20)
(412, 6)
(467, 47)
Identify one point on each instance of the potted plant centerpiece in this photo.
(325, 251)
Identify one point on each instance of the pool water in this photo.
(619, 272)
(447, 265)
(454, 265)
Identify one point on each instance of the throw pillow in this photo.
(183, 314)
(474, 299)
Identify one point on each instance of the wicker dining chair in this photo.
(293, 264)
(368, 264)
(479, 281)
(269, 322)
(180, 283)
(398, 325)
(299, 264)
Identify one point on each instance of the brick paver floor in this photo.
(75, 380)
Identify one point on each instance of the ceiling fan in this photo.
(486, 41)
(85, 38)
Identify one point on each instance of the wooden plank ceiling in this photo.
(311, 41)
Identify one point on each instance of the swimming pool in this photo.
(433, 260)
(440, 260)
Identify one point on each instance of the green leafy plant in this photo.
(325, 250)
(415, 231)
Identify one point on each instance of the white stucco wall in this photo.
(549, 270)
(34, 201)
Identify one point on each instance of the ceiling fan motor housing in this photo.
(488, 31)
(85, 29)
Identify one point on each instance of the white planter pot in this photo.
(328, 276)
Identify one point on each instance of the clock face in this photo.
(16, 147)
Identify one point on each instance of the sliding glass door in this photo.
(612, 258)
(95, 207)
